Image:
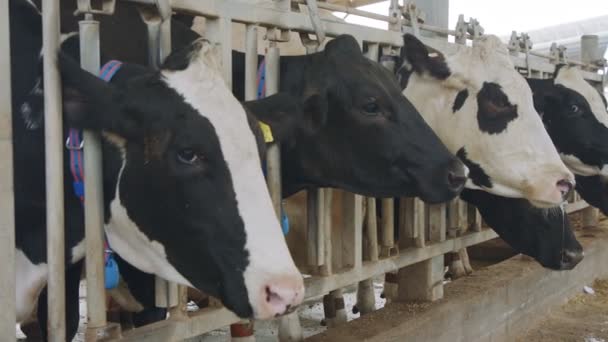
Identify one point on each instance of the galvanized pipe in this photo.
(53, 134)
(251, 62)
(590, 49)
(316, 244)
(350, 10)
(388, 225)
(7, 216)
(93, 207)
(371, 223)
(273, 154)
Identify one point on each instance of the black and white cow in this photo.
(184, 193)
(483, 110)
(542, 233)
(575, 116)
(356, 133)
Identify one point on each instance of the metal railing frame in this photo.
(426, 242)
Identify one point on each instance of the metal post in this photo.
(436, 14)
(589, 54)
(251, 62)
(273, 157)
(7, 218)
(590, 49)
(289, 325)
(53, 134)
(93, 207)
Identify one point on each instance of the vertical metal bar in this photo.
(220, 31)
(590, 49)
(590, 52)
(93, 207)
(273, 162)
(372, 229)
(53, 134)
(7, 218)
(316, 243)
(251, 62)
(388, 226)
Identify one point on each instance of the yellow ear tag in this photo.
(267, 132)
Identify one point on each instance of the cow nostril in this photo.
(272, 296)
(565, 187)
(456, 181)
(571, 259)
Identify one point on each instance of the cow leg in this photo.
(466, 263)
(456, 267)
(72, 303)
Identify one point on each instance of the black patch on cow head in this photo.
(544, 234)
(570, 122)
(180, 59)
(417, 55)
(368, 138)
(477, 175)
(461, 97)
(494, 109)
(174, 178)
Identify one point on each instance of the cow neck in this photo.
(297, 78)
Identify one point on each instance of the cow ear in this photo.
(416, 54)
(280, 111)
(89, 102)
(343, 46)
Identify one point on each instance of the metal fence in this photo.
(338, 255)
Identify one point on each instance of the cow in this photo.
(483, 111)
(184, 193)
(357, 133)
(544, 234)
(575, 116)
(594, 190)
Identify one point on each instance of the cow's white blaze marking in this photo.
(30, 280)
(203, 87)
(521, 161)
(571, 78)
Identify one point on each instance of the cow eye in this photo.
(371, 108)
(574, 109)
(188, 156)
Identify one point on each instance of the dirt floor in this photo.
(583, 318)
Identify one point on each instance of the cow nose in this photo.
(281, 296)
(565, 188)
(457, 175)
(570, 259)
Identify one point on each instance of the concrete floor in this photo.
(583, 318)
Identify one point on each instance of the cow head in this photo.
(544, 234)
(594, 190)
(363, 136)
(482, 109)
(575, 116)
(191, 204)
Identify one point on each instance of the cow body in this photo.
(166, 150)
